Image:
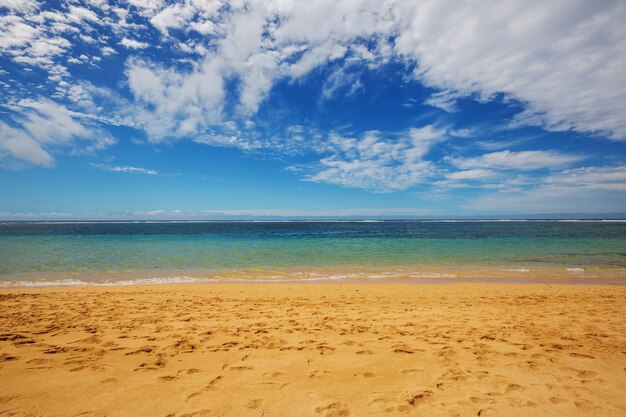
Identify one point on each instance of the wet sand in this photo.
(352, 274)
(314, 350)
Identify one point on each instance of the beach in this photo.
(329, 208)
(461, 349)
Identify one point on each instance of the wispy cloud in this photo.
(581, 190)
(379, 163)
(597, 178)
(126, 169)
(39, 127)
(522, 160)
(503, 170)
(199, 215)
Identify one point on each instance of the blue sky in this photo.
(214, 109)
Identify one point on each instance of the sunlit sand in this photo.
(314, 350)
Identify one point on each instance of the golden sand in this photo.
(314, 350)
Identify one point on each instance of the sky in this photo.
(202, 109)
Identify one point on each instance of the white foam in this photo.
(430, 275)
(575, 269)
(51, 283)
(110, 283)
(255, 278)
(518, 270)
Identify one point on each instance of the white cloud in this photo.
(17, 144)
(78, 14)
(564, 62)
(523, 160)
(107, 50)
(445, 100)
(19, 5)
(174, 16)
(15, 32)
(597, 178)
(147, 6)
(47, 122)
(588, 189)
(133, 44)
(376, 163)
(48, 47)
(357, 213)
(126, 169)
(42, 126)
(170, 104)
(341, 80)
(473, 174)
(564, 59)
(204, 27)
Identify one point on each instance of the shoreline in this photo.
(417, 275)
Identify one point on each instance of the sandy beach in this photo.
(314, 350)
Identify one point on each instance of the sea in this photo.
(36, 254)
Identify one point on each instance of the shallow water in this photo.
(147, 250)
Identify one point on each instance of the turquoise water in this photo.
(31, 248)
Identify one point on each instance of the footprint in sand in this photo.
(143, 349)
(414, 398)
(365, 374)
(557, 400)
(410, 371)
(404, 349)
(584, 405)
(586, 374)
(241, 368)
(514, 387)
(378, 400)
(479, 400)
(5, 357)
(335, 409)
(581, 355)
(7, 399)
(273, 374)
(254, 403)
(324, 350)
(318, 373)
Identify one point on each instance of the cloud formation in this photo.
(562, 60)
(126, 169)
(40, 127)
(522, 160)
(202, 69)
(577, 190)
(133, 44)
(377, 163)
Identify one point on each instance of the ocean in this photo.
(116, 253)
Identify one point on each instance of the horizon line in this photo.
(324, 219)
